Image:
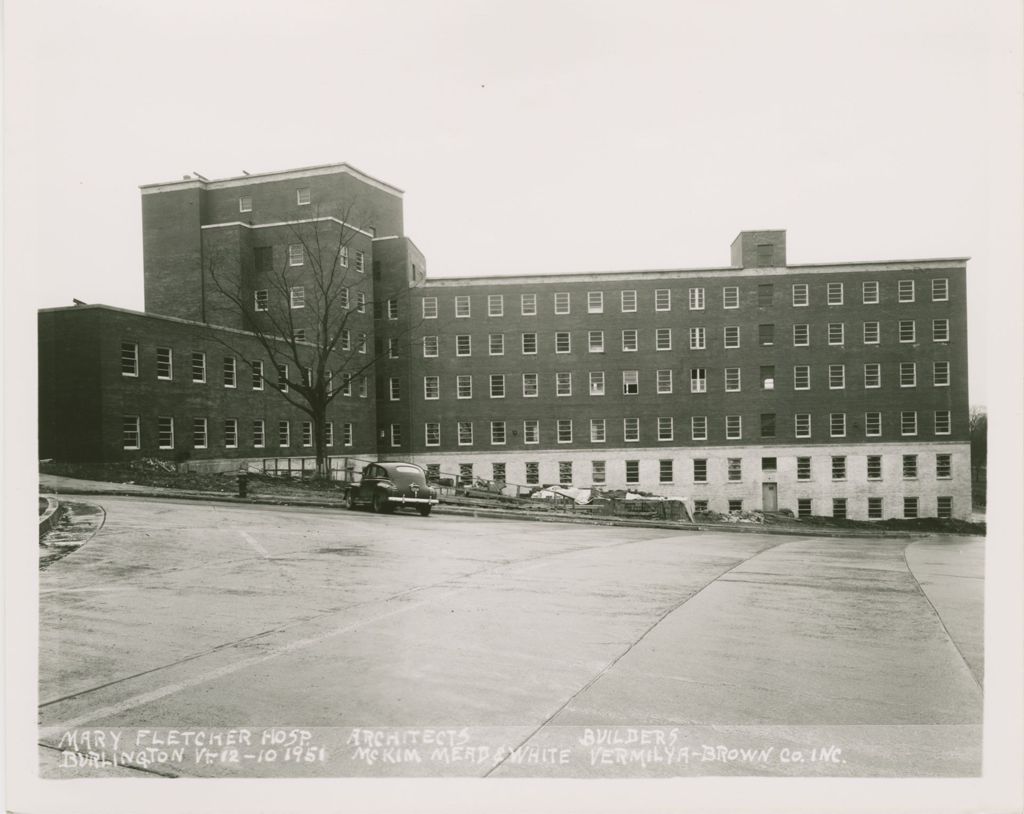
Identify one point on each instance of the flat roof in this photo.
(193, 182)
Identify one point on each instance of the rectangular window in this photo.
(430, 307)
(662, 299)
(532, 472)
(836, 377)
(531, 431)
(803, 507)
(597, 431)
(940, 374)
(944, 507)
(531, 387)
(529, 343)
(908, 422)
(803, 468)
(910, 508)
(565, 473)
(198, 367)
(735, 469)
(874, 467)
(943, 465)
(498, 472)
(307, 433)
(597, 383)
(432, 434)
(259, 433)
(297, 296)
(284, 434)
(632, 471)
(666, 428)
(802, 425)
(801, 296)
(431, 388)
(343, 257)
(869, 292)
(465, 433)
(282, 378)
(346, 434)
(430, 347)
(627, 301)
(465, 474)
(802, 377)
(361, 342)
(767, 425)
(838, 467)
(699, 428)
(595, 341)
(765, 294)
(497, 385)
(801, 336)
(698, 339)
(874, 508)
(767, 377)
(130, 432)
(629, 340)
(731, 297)
(664, 380)
(345, 297)
(396, 435)
(245, 203)
(839, 507)
(230, 372)
(562, 302)
(732, 379)
(770, 464)
(299, 335)
(735, 506)
(940, 330)
(630, 382)
(905, 291)
(871, 333)
(731, 336)
(908, 374)
(257, 374)
(940, 289)
(598, 471)
(733, 427)
(463, 345)
(464, 387)
(700, 470)
(462, 310)
(837, 425)
(302, 196)
(496, 344)
(663, 338)
(872, 424)
(261, 300)
(329, 434)
(595, 302)
(360, 262)
(836, 333)
(564, 430)
(392, 308)
(766, 334)
(563, 384)
(528, 305)
(296, 254)
(700, 506)
(696, 299)
(907, 330)
(498, 432)
(164, 365)
(942, 422)
(835, 293)
(563, 342)
(872, 375)
(698, 380)
(495, 305)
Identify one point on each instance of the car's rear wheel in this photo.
(380, 504)
(350, 500)
(425, 511)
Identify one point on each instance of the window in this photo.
(872, 424)
(908, 374)
(803, 507)
(765, 294)
(564, 426)
(597, 383)
(874, 467)
(531, 431)
(497, 385)
(259, 436)
(662, 299)
(835, 293)
(732, 379)
(261, 299)
(284, 434)
(130, 432)
(595, 341)
(598, 471)
(666, 428)
(940, 289)
(696, 299)
(392, 308)
(361, 302)
(735, 506)
(462, 310)
(731, 336)
(733, 427)
(343, 257)
(597, 431)
(496, 344)
(464, 387)
(528, 305)
(803, 468)
(257, 374)
(836, 377)
(629, 340)
(595, 302)
(699, 428)
(800, 295)
(307, 433)
(198, 367)
(871, 333)
(346, 434)
(563, 342)
(700, 506)
(908, 422)
(698, 380)
(869, 292)
(767, 377)
(562, 302)
(465, 473)
(565, 472)
(872, 375)
(731, 296)
(360, 262)
(529, 343)
(497, 432)
(942, 422)
(837, 425)
(735, 469)
(463, 345)
(297, 296)
(430, 346)
(465, 433)
(498, 473)
(346, 384)
(230, 371)
(495, 305)
(769, 464)
(940, 374)
(698, 339)
(361, 343)
(766, 334)
(282, 378)
(431, 388)
(296, 254)
(632, 471)
(802, 377)
(164, 366)
(910, 508)
(245, 203)
(530, 385)
(630, 382)
(801, 336)
(767, 425)
(839, 507)
(838, 467)
(905, 291)
(563, 384)
(430, 307)
(299, 335)
(700, 470)
(944, 507)
(302, 196)
(940, 330)
(432, 434)
(396, 435)
(874, 508)
(627, 301)
(663, 338)
(329, 434)
(165, 432)
(532, 472)
(363, 387)
(664, 380)
(836, 333)
(802, 425)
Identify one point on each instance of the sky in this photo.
(529, 137)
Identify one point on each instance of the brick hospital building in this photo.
(828, 388)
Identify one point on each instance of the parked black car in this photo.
(388, 485)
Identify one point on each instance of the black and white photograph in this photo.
(562, 406)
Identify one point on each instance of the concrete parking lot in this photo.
(199, 639)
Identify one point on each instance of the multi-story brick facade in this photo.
(829, 389)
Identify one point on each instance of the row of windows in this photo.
(263, 258)
(302, 198)
(131, 433)
(297, 299)
(696, 299)
(697, 338)
(732, 425)
(664, 381)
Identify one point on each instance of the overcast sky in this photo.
(530, 137)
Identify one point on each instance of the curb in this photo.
(49, 518)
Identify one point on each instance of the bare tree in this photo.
(302, 306)
(979, 440)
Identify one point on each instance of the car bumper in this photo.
(415, 501)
